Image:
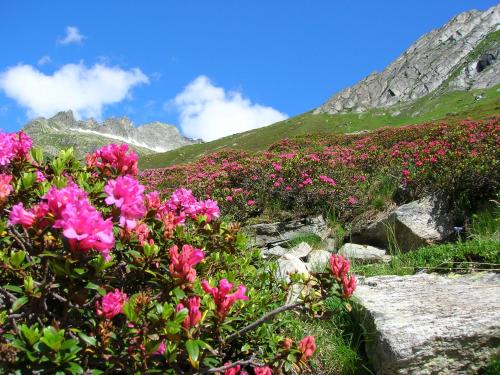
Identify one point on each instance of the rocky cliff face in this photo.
(63, 130)
(462, 55)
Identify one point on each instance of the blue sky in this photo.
(215, 67)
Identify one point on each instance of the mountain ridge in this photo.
(63, 130)
(435, 61)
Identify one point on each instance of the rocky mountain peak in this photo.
(87, 135)
(461, 55)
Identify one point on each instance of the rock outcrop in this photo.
(461, 55)
(429, 324)
(63, 131)
(411, 225)
(273, 234)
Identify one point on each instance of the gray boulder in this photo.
(270, 235)
(411, 225)
(318, 260)
(430, 324)
(364, 253)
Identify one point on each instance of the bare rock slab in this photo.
(430, 324)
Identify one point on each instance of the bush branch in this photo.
(262, 320)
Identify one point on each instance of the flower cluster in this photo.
(111, 304)
(14, 146)
(181, 265)
(114, 159)
(340, 269)
(126, 193)
(223, 299)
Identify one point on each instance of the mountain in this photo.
(461, 55)
(452, 72)
(63, 131)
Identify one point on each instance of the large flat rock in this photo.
(430, 324)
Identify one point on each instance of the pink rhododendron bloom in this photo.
(209, 209)
(111, 304)
(236, 370)
(153, 201)
(307, 347)
(348, 285)
(181, 265)
(265, 370)
(229, 198)
(352, 200)
(19, 215)
(327, 180)
(114, 157)
(161, 349)
(142, 233)
(194, 313)
(250, 202)
(40, 177)
(7, 151)
(223, 300)
(339, 266)
(81, 223)
(5, 186)
(126, 193)
(14, 146)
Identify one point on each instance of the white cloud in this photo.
(85, 90)
(72, 36)
(44, 60)
(209, 112)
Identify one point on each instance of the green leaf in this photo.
(28, 179)
(20, 302)
(17, 258)
(193, 350)
(37, 154)
(91, 341)
(31, 334)
(74, 368)
(13, 288)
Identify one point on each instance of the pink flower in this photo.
(181, 265)
(114, 157)
(209, 209)
(352, 200)
(406, 173)
(14, 146)
(161, 349)
(5, 186)
(265, 370)
(307, 347)
(327, 180)
(223, 300)
(250, 202)
(229, 198)
(81, 223)
(40, 177)
(126, 193)
(348, 285)
(233, 370)
(339, 266)
(153, 201)
(111, 304)
(194, 313)
(19, 215)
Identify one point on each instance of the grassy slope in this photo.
(454, 105)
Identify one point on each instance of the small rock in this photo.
(364, 253)
(302, 250)
(289, 264)
(276, 251)
(318, 260)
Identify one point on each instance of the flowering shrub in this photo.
(339, 172)
(99, 277)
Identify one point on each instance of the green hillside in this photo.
(475, 104)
